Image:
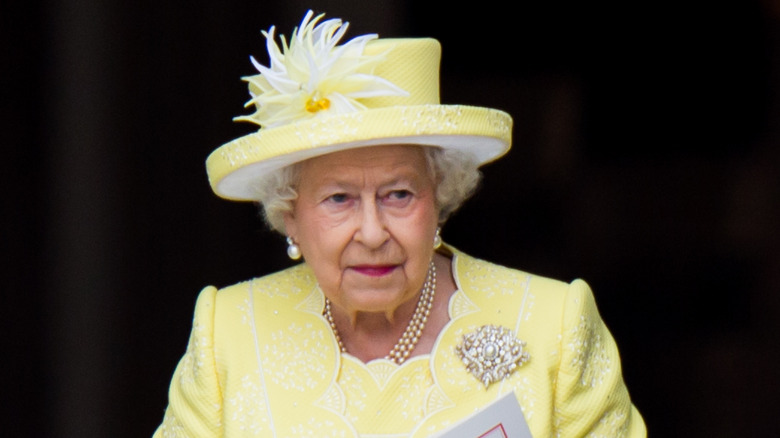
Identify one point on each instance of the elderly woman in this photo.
(382, 330)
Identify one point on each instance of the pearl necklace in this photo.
(403, 348)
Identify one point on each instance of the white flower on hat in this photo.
(312, 76)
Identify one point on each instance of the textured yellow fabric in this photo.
(263, 362)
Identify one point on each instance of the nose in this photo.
(371, 230)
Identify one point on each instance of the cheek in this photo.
(322, 241)
(428, 214)
(420, 228)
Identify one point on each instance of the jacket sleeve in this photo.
(195, 398)
(591, 397)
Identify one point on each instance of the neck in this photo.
(374, 339)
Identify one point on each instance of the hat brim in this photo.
(235, 167)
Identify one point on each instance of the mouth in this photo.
(374, 270)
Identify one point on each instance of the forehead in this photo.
(390, 160)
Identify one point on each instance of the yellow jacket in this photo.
(262, 361)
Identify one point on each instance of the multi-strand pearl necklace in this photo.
(403, 348)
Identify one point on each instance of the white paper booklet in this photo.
(501, 419)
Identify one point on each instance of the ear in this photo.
(290, 225)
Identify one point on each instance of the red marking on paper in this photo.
(496, 432)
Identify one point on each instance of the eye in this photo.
(338, 198)
(400, 194)
(398, 198)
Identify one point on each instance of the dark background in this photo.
(645, 160)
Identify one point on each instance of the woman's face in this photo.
(365, 221)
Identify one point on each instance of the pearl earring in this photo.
(293, 251)
(437, 238)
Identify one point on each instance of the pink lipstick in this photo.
(374, 270)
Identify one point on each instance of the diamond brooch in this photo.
(491, 353)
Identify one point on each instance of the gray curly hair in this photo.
(456, 173)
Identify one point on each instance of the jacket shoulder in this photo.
(282, 289)
(473, 268)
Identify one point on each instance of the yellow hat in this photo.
(318, 97)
